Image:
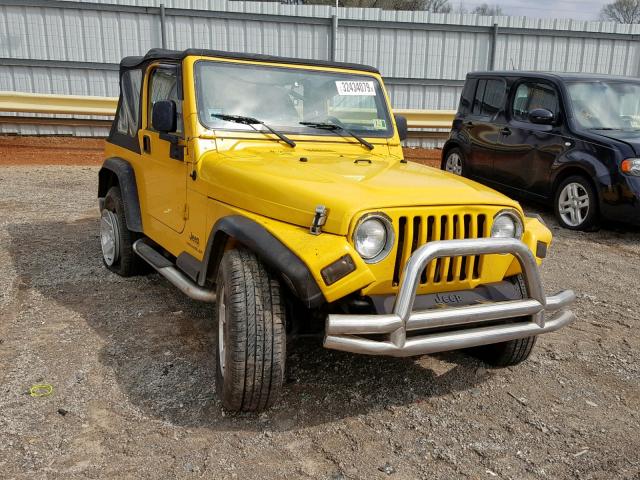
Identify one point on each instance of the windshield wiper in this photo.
(335, 126)
(251, 122)
(604, 128)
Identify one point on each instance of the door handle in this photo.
(146, 144)
(505, 131)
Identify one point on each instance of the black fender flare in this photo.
(268, 248)
(126, 176)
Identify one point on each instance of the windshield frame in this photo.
(572, 104)
(388, 133)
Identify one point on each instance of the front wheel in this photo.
(505, 354)
(575, 204)
(251, 335)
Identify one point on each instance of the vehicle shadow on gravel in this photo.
(159, 345)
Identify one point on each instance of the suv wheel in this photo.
(116, 239)
(454, 162)
(251, 337)
(505, 354)
(575, 204)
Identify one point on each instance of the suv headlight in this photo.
(631, 166)
(507, 224)
(373, 237)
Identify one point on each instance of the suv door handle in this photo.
(146, 144)
(505, 131)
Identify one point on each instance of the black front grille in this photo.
(413, 232)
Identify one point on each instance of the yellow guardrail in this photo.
(427, 118)
(106, 106)
(69, 104)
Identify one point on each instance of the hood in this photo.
(288, 186)
(631, 138)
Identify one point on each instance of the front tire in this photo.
(251, 336)
(506, 354)
(575, 204)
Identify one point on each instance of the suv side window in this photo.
(466, 99)
(128, 113)
(531, 95)
(489, 97)
(163, 85)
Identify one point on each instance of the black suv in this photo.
(569, 139)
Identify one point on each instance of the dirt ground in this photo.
(26, 150)
(17, 150)
(131, 362)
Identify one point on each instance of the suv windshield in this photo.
(284, 97)
(606, 105)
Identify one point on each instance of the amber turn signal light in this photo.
(631, 166)
(338, 269)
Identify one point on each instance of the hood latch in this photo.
(319, 219)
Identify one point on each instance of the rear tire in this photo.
(116, 239)
(251, 336)
(506, 354)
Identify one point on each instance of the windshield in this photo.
(283, 97)
(608, 105)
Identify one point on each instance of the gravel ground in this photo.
(132, 366)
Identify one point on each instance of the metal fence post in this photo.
(163, 27)
(334, 37)
(494, 42)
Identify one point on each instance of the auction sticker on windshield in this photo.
(353, 87)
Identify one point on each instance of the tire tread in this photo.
(513, 352)
(256, 340)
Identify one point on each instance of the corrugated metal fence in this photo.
(69, 47)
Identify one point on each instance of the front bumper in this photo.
(345, 332)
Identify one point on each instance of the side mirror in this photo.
(541, 116)
(401, 124)
(163, 116)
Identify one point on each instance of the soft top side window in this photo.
(489, 97)
(128, 115)
(532, 95)
(163, 85)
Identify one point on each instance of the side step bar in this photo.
(169, 271)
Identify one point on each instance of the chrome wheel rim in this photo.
(573, 204)
(109, 237)
(222, 320)
(454, 164)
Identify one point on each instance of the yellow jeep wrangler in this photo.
(276, 189)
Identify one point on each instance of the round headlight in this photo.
(507, 224)
(373, 238)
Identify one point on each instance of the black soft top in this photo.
(179, 55)
(552, 75)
